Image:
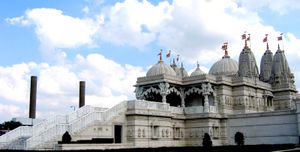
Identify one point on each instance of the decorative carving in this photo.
(193, 90)
(164, 91)
(139, 132)
(143, 133)
(173, 89)
(207, 89)
(139, 93)
(149, 90)
(130, 133)
(167, 133)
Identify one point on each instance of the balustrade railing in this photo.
(54, 128)
(22, 131)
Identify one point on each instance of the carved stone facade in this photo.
(175, 109)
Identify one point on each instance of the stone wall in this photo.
(278, 127)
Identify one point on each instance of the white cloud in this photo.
(13, 82)
(107, 83)
(280, 6)
(133, 22)
(8, 111)
(56, 30)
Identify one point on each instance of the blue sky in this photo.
(109, 44)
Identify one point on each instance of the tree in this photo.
(239, 138)
(10, 125)
(206, 142)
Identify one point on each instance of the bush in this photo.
(239, 138)
(206, 142)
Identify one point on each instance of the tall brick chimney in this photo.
(32, 103)
(81, 93)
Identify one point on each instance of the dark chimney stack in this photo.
(81, 93)
(32, 104)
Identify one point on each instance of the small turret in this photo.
(281, 72)
(247, 63)
(266, 65)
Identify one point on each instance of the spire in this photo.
(266, 65)
(247, 62)
(278, 47)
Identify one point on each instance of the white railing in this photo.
(199, 109)
(140, 104)
(22, 131)
(51, 130)
(47, 130)
(114, 111)
(176, 110)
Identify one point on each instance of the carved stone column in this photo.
(265, 102)
(182, 96)
(164, 91)
(206, 90)
(206, 103)
(216, 102)
(164, 98)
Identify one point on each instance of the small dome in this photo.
(183, 71)
(180, 72)
(197, 71)
(225, 66)
(160, 68)
(176, 69)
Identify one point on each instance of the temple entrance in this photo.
(118, 134)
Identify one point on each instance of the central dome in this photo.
(225, 66)
(161, 68)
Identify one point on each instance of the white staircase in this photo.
(45, 135)
(8, 140)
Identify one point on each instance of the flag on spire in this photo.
(244, 36)
(160, 55)
(159, 52)
(248, 38)
(224, 46)
(280, 37)
(265, 39)
(169, 54)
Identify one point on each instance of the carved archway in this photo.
(152, 94)
(173, 98)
